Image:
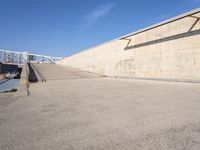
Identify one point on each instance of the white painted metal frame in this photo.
(16, 57)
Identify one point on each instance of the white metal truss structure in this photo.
(18, 58)
(43, 58)
(11, 57)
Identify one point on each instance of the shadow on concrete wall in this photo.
(170, 38)
(32, 76)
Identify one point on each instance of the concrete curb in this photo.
(23, 89)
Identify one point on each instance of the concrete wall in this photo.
(24, 80)
(170, 51)
(2, 76)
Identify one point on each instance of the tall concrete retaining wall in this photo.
(169, 50)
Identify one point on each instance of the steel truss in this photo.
(18, 58)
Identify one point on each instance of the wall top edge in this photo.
(184, 15)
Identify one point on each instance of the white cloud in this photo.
(91, 18)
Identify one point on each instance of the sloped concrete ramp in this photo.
(58, 72)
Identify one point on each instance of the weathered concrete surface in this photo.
(58, 72)
(170, 51)
(5, 100)
(24, 81)
(76, 112)
(2, 76)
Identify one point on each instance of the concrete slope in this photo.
(58, 72)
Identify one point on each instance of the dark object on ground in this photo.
(12, 90)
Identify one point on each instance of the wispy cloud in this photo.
(91, 18)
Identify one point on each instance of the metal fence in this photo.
(18, 58)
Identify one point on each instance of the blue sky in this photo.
(64, 27)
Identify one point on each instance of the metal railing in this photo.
(18, 58)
